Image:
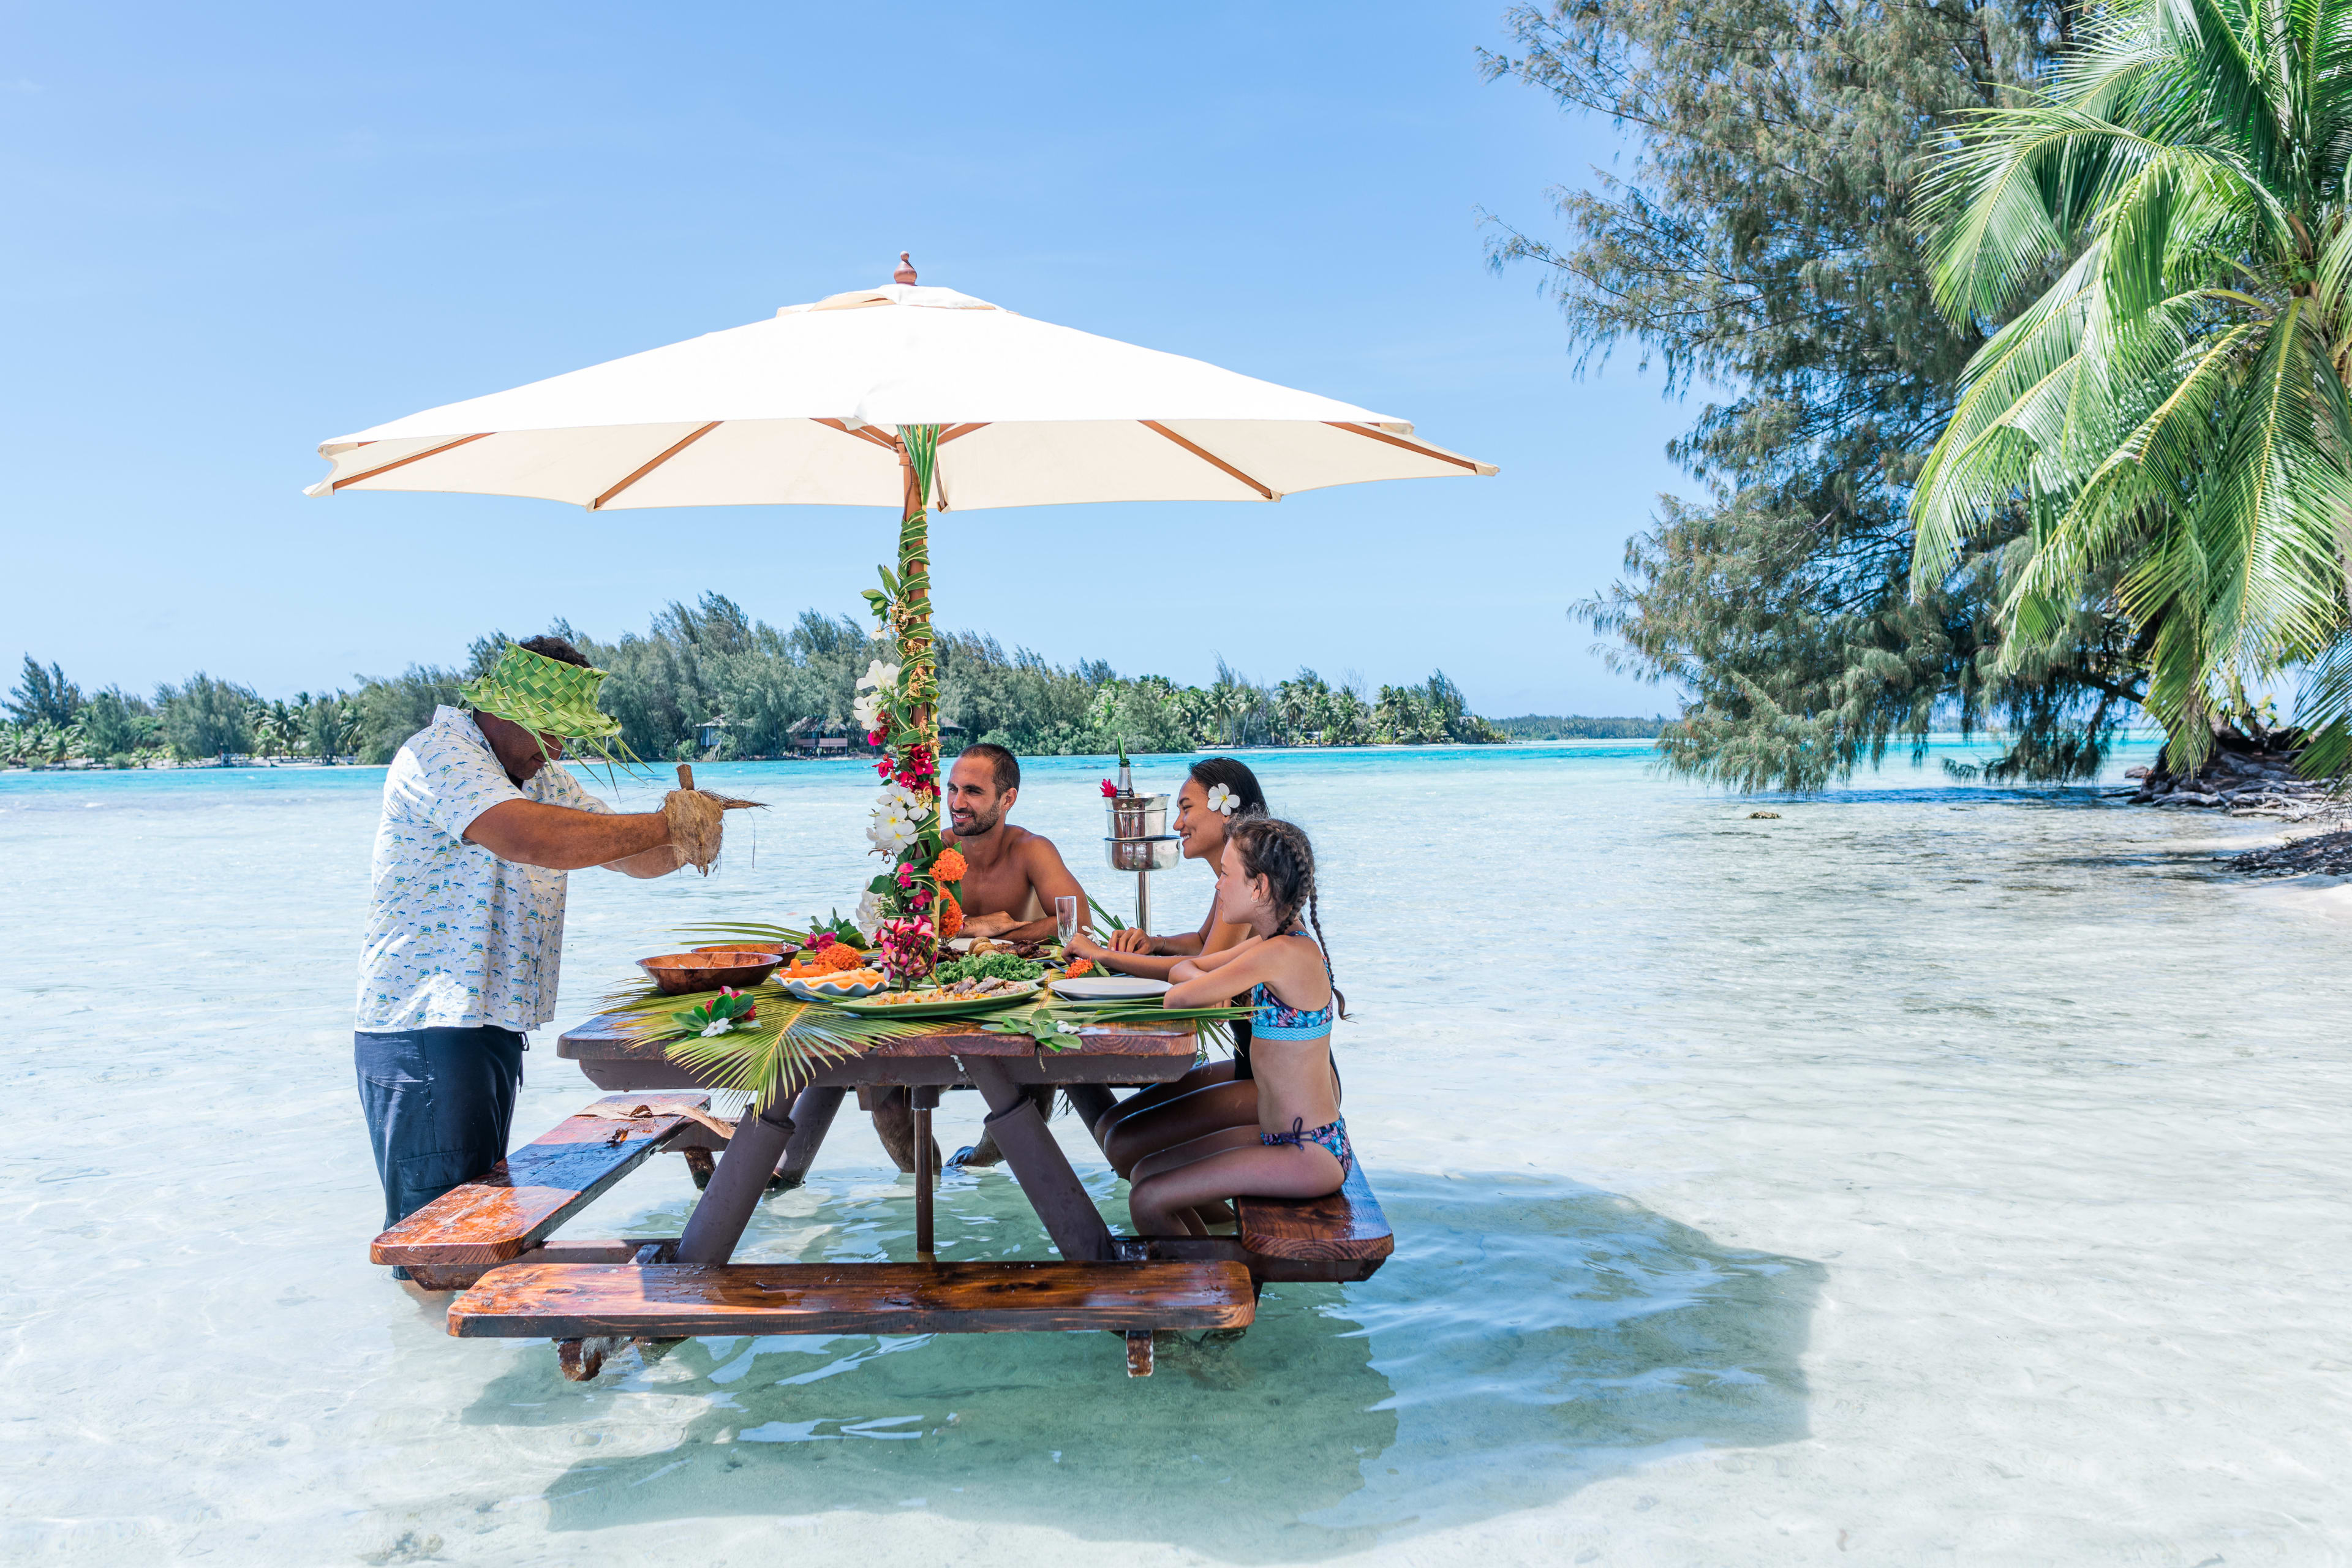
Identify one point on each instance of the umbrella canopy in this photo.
(807, 406)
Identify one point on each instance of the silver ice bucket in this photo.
(1137, 816)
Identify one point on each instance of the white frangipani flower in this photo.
(1223, 800)
(869, 918)
(719, 1027)
(873, 689)
(890, 832)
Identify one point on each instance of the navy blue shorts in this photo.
(439, 1105)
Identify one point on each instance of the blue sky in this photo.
(238, 231)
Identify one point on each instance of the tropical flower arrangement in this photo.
(906, 909)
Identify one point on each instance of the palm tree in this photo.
(2164, 427)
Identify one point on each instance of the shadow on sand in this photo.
(1529, 1337)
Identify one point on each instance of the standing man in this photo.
(465, 930)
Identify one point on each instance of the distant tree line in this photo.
(1578, 727)
(756, 690)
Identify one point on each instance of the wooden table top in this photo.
(605, 1037)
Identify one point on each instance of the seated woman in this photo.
(1298, 1149)
(1219, 792)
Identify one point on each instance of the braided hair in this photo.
(1278, 851)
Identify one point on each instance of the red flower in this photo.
(1110, 790)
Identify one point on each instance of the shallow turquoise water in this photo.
(1934, 1173)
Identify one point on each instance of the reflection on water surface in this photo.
(1545, 1333)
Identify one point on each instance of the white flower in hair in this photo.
(1223, 800)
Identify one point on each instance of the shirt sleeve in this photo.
(451, 782)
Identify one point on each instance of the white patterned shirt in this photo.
(457, 938)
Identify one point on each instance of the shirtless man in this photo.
(1010, 879)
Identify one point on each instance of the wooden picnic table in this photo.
(491, 1238)
(949, 1054)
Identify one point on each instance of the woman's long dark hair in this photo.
(1278, 851)
(1235, 775)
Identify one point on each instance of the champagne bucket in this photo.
(1156, 853)
(1137, 816)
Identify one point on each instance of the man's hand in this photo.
(1130, 939)
(992, 924)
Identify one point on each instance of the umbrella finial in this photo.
(906, 273)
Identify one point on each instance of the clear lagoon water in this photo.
(1934, 1173)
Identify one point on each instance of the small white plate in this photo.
(1109, 988)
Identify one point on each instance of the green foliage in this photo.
(773, 687)
(1577, 727)
(2163, 431)
(1758, 246)
(206, 717)
(44, 696)
(986, 966)
(331, 726)
(116, 724)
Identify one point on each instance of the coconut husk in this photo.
(698, 820)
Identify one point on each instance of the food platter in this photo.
(1110, 988)
(938, 1007)
(827, 991)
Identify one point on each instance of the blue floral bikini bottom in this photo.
(1331, 1135)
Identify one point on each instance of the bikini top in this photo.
(1273, 1019)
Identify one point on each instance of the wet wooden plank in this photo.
(498, 1216)
(528, 1300)
(1345, 1225)
(556, 1249)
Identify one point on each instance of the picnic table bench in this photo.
(491, 1238)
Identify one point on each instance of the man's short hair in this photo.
(555, 647)
(1003, 764)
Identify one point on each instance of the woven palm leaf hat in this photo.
(547, 697)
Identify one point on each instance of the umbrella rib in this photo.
(1401, 441)
(953, 431)
(1206, 456)
(411, 458)
(863, 433)
(648, 468)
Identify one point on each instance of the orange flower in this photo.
(841, 956)
(949, 867)
(950, 913)
(1083, 966)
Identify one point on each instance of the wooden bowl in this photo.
(676, 973)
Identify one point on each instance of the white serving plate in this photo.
(1109, 988)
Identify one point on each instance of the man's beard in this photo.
(971, 823)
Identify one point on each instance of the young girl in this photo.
(1298, 1147)
(1220, 791)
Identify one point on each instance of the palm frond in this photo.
(770, 1060)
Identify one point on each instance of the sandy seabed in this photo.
(1932, 1174)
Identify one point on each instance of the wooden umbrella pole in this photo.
(918, 741)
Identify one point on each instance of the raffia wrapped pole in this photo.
(919, 447)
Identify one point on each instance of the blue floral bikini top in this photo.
(1272, 1019)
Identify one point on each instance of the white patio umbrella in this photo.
(923, 398)
(806, 408)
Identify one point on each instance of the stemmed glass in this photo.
(1065, 918)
